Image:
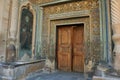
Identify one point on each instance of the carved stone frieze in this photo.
(71, 6)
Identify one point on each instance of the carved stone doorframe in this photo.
(103, 26)
(52, 20)
(69, 18)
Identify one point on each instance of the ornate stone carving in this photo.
(71, 6)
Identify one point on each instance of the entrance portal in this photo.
(70, 53)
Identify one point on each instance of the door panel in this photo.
(70, 53)
(78, 54)
(64, 48)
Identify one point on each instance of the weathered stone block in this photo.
(19, 70)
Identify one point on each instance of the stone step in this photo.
(105, 78)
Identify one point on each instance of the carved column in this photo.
(14, 19)
(115, 13)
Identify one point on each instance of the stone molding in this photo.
(74, 14)
(54, 2)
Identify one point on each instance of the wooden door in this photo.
(70, 53)
(64, 48)
(78, 54)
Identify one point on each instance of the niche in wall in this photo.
(26, 31)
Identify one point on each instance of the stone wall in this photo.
(4, 25)
(8, 26)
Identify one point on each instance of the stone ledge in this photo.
(105, 78)
(21, 71)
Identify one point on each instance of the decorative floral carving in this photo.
(71, 6)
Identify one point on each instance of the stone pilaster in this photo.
(11, 49)
(115, 13)
(14, 19)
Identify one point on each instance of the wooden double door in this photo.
(70, 53)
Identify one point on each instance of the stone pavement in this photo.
(56, 76)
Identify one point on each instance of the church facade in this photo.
(70, 35)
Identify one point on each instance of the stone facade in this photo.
(4, 25)
(47, 15)
(66, 13)
(86, 11)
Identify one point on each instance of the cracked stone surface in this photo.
(56, 76)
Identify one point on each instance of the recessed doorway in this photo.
(70, 45)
